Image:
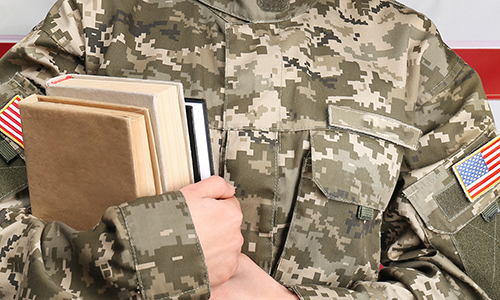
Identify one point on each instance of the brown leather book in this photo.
(84, 156)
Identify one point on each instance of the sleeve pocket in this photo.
(442, 204)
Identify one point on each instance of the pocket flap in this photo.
(355, 168)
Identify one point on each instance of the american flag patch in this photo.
(10, 121)
(480, 171)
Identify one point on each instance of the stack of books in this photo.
(94, 142)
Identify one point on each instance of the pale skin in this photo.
(217, 218)
(251, 282)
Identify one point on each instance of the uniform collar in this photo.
(261, 10)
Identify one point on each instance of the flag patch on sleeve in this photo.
(10, 121)
(480, 171)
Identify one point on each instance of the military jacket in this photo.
(338, 121)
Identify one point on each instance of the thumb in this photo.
(213, 187)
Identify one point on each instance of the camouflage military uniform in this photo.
(338, 121)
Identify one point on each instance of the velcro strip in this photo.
(7, 152)
(375, 125)
(490, 213)
(366, 213)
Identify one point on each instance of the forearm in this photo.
(146, 246)
(251, 282)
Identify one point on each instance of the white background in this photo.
(17, 17)
(463, 23)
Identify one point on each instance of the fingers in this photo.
(213, 187)
(217, 224)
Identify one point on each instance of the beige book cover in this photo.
(165, 102)
(84, 156)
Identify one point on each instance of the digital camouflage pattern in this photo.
(338, 122)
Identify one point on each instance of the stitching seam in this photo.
(134, 254)
(451, 73)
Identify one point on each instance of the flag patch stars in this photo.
(480, 171)
(472, 169)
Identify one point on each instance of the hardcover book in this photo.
(84, 156)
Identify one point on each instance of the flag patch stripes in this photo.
(10, 121)
(480, 171)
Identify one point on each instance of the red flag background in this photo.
(471, 28)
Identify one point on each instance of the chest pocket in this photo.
(358, 159)
(353, 167)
